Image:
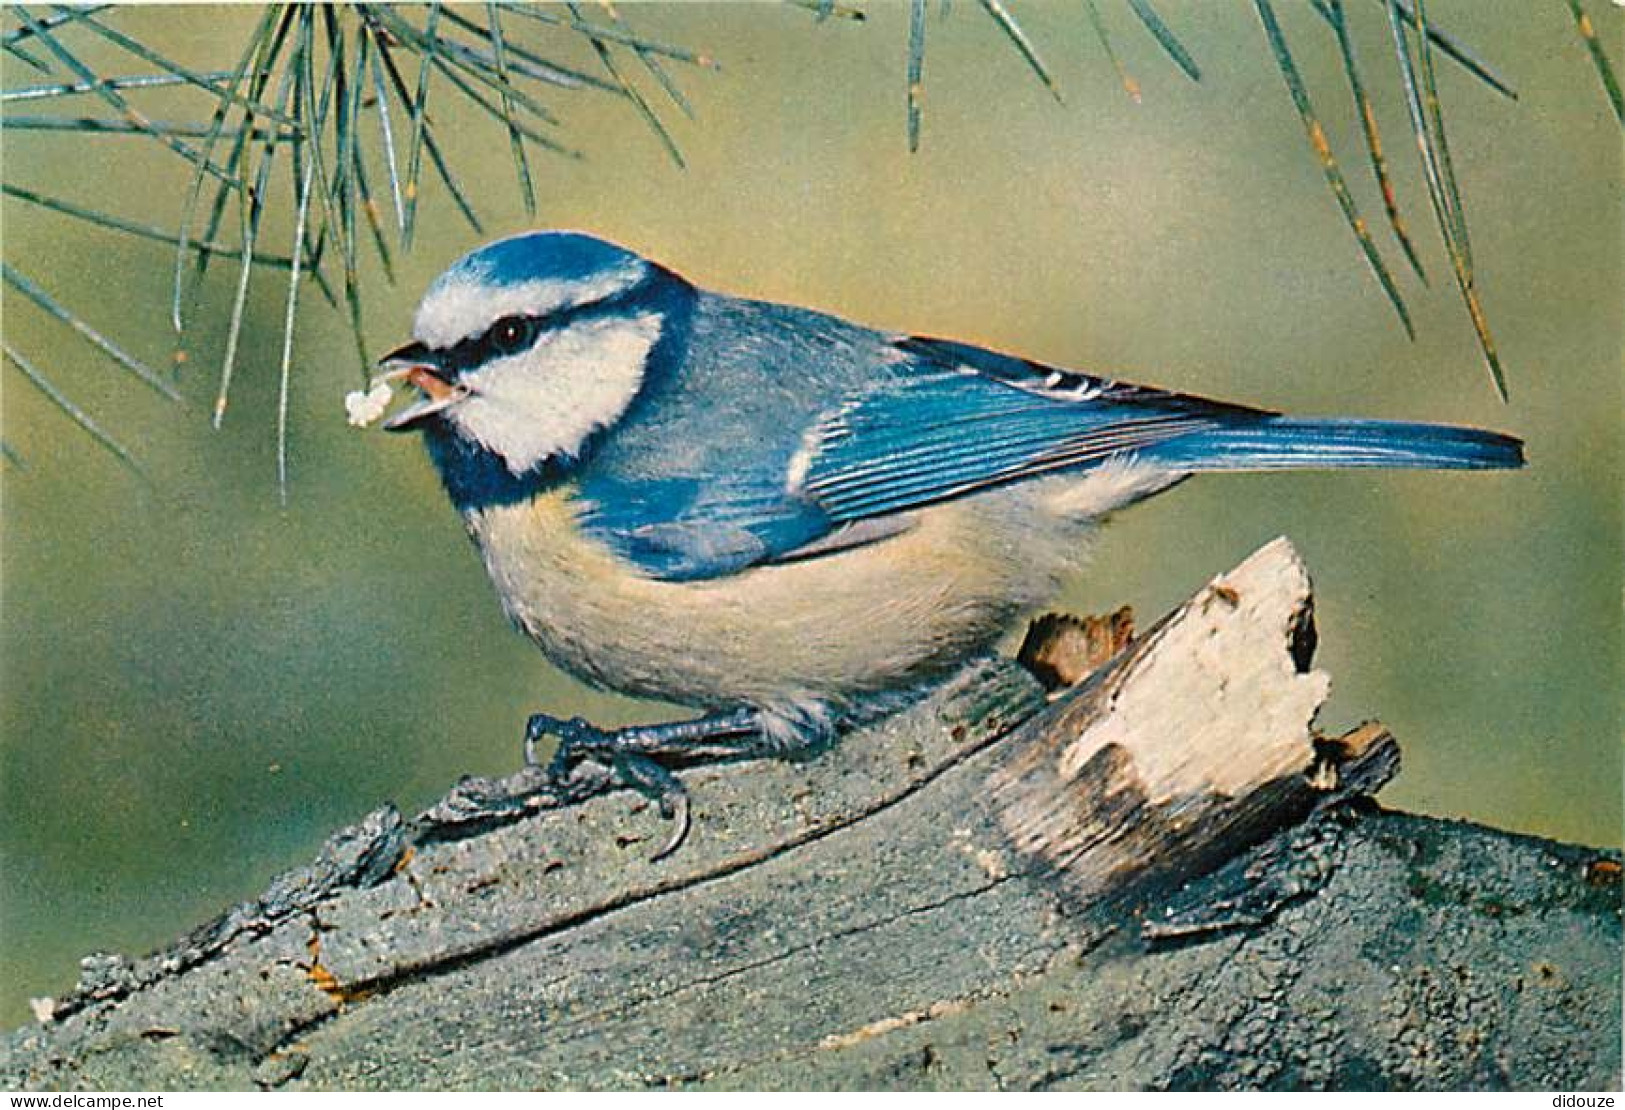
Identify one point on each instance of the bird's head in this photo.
(526, 347)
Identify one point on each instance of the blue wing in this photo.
(966, 419)
(813, 435)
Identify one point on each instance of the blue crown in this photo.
(556, 255)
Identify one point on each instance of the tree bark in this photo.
(1160, 877)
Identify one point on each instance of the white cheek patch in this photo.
(459, 307)
(549, 399)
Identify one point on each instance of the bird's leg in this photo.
(637, 753)
(717, 736)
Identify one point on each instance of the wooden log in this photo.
(1160, 877)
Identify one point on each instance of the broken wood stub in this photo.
(1061, 649)
(1189, 746)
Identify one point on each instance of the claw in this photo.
(635, 755)
(579, 740)
(654, 779)
(674, 807)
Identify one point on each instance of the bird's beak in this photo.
(416, 363)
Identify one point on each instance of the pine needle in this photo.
(100, 125)
(86, 20)
(131, 227)
(1457, 51)
(268, 27)
(1166, 38)
(422, 138)
(134, 81)
(607, 60)
(1599, 58)
(916, 70)
(1328, 161)
(251, 208)
(1332, 10)
(618, 34)
(1018, 38)
(1444, 216)
(116, 101)
(1130, 85)
(78, 415)
(52, 307)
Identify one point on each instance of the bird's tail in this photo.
(1293, 443)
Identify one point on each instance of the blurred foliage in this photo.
(311, 77)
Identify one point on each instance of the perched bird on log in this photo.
(784, 520)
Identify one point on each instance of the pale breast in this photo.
(828, 629)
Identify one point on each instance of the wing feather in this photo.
(965, 420)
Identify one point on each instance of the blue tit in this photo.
(784, 520)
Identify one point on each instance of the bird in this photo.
(784, 521)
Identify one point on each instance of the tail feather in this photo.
(1291, 443)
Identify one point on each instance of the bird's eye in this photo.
(511, 334)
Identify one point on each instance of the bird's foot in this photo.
(637, 753)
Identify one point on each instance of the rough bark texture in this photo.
(1159, 878)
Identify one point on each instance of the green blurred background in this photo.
(199, 684)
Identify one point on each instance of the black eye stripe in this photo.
(507, 336)
(495, 342)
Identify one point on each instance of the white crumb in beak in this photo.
(364, 408)
(44, 1009)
